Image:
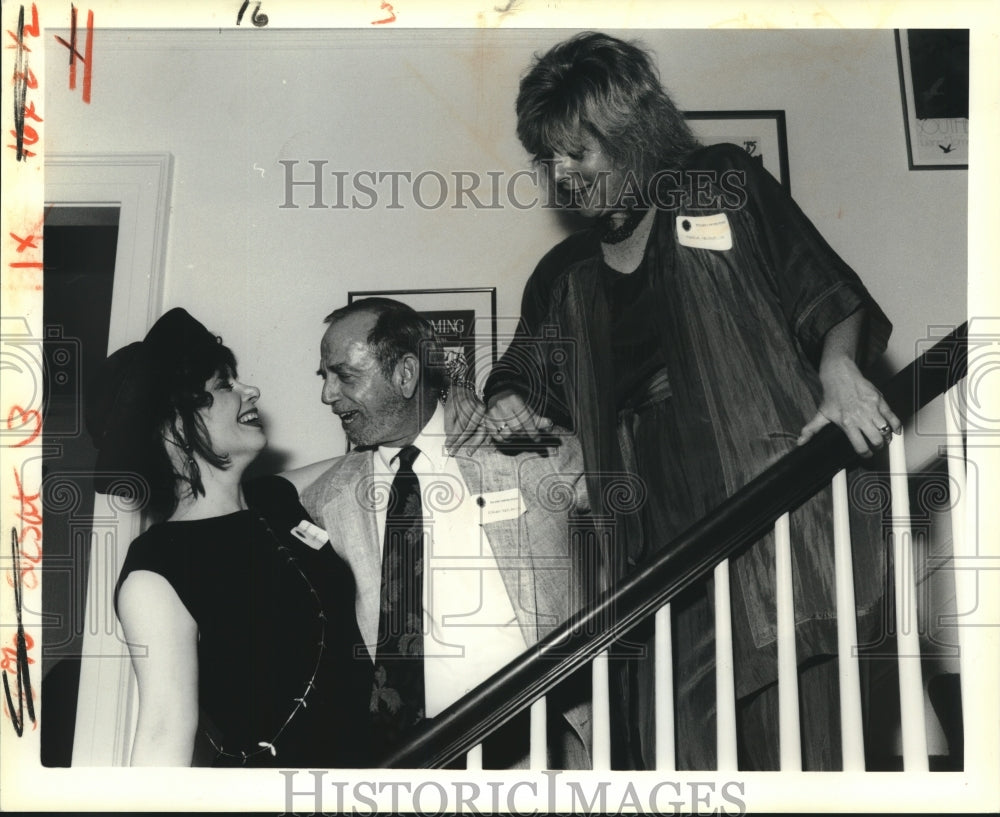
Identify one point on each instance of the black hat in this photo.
(131, 398)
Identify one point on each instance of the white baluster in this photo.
(851, 730)
(539, 756)
(474, 758)
(602, 714)
(725, 684)
(911, 690)
(788, 680)
(664, 696)
(962, 553)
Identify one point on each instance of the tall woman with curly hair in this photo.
(708, 329)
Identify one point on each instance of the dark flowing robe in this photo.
(737, 336)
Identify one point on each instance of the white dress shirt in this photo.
(470, 629)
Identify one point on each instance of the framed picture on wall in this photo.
(759, 133)
(934, 84)
(465, 320)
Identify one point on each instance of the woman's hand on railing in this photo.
(853, 403)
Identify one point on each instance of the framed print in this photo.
(465, 320)
(759, 133)
(934, 83)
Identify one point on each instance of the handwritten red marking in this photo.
(29, 135)
(28, 77)
(26, 416)
(10, 653)
(30, 516)
(390, 19)
(19, 44)
(30, 512)
(32, 29)
(74, 55)
(29, 112)
(24, 243)
(24, 79)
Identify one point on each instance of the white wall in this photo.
(230, 106)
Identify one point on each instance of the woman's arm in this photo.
(163, 639)
(522, 397)
(849, 399)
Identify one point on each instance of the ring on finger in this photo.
(885, 429)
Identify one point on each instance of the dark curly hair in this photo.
(185, 427)
(143, 406)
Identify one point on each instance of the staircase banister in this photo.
(735, 524)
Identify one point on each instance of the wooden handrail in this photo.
(738, 522)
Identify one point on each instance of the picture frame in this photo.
(760, 133)
(934, 87)
(465, 319)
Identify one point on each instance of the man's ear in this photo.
(407, 375)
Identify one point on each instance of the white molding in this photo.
(139, 184)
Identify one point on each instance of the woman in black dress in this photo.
(238, 614)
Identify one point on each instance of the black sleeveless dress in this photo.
(278, 680)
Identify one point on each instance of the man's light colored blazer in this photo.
(532, 550)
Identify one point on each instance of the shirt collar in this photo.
(430, 441)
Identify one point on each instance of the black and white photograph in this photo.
(434, 407)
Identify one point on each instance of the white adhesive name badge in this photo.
(705, 232)
(309, 533)
(497, 506)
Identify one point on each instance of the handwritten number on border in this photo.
(258, 19)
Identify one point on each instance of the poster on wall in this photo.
(934, 83)
(760, 133)
(464, 319)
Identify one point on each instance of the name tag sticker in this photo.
(309, 533)
(705, 232)
(497, 506)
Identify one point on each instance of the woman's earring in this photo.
(192, 466)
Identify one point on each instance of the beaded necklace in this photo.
(300, 702)
(615, 235)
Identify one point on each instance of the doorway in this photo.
(105, 240)
(80, 246)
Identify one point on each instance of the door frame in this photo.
(140, 186)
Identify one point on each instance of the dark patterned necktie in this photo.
(398, 694)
